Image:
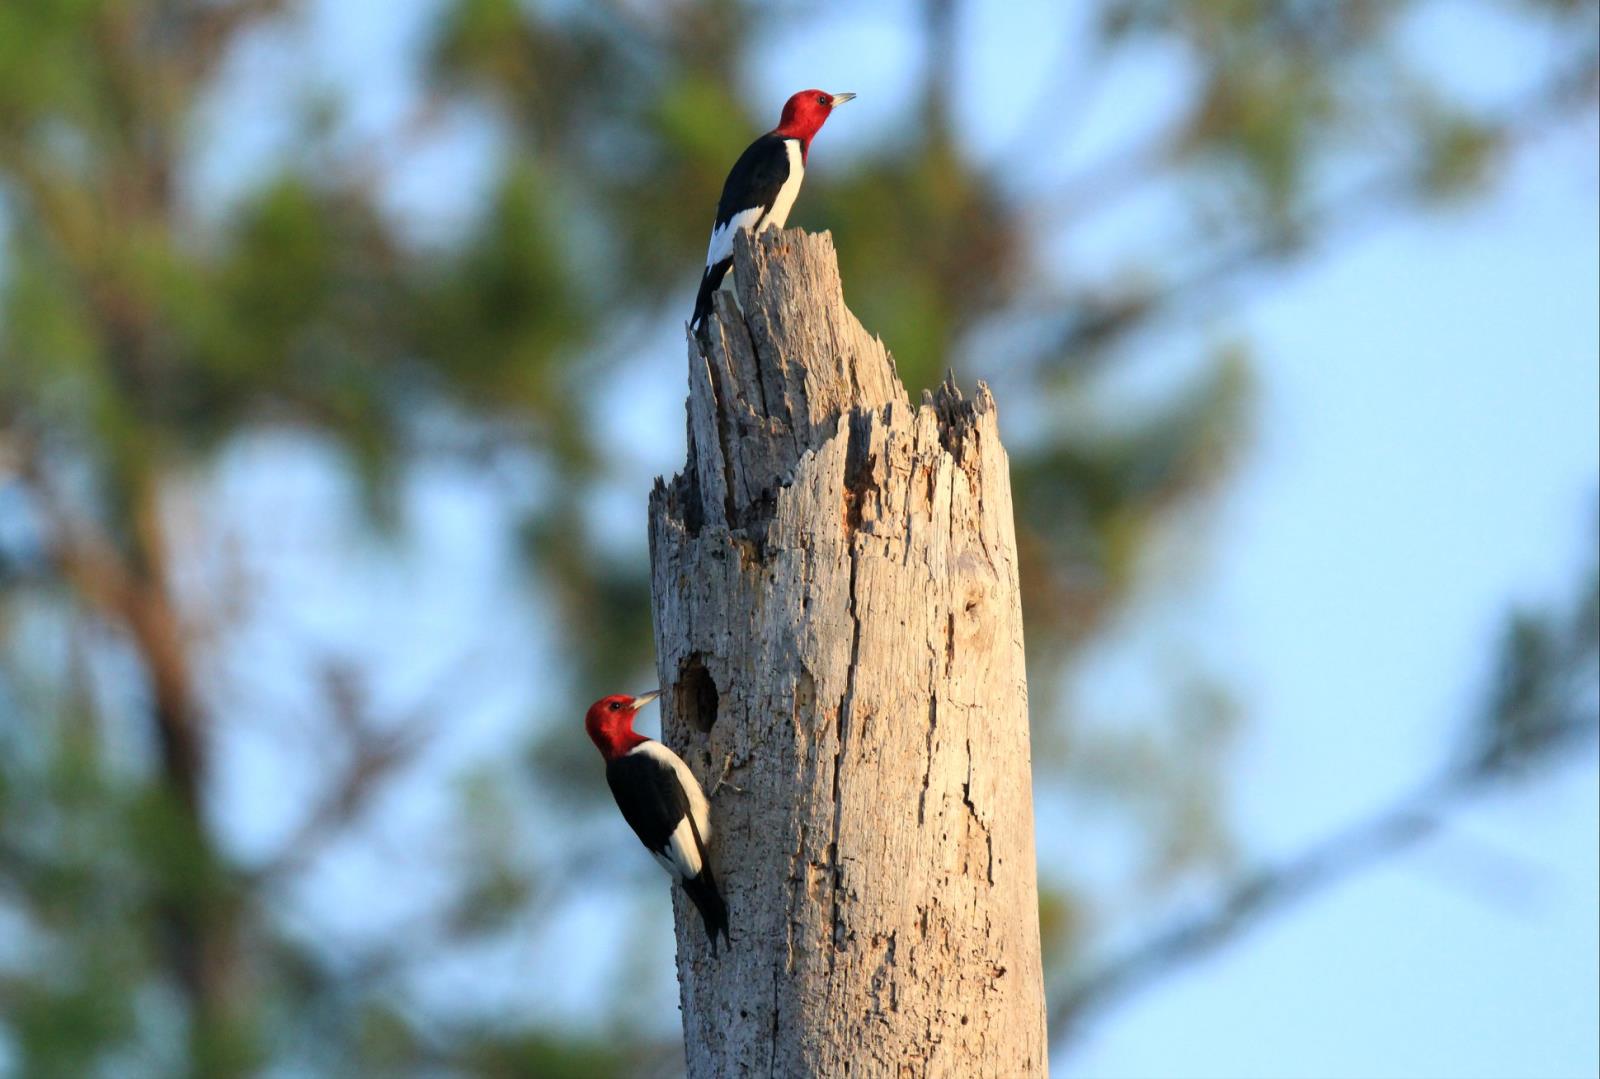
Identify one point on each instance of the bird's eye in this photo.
(822, 99)
(616, 706)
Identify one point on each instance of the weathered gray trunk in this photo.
(837, 612)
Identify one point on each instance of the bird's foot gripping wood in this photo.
(722, 780)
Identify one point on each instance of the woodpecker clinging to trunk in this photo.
(661, 801)
(761, 189)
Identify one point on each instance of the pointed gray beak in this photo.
(641, 701)
(840, 99)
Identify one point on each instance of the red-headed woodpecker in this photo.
(661, 802)
(761, 189)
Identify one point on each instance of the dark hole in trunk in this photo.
(696, 693)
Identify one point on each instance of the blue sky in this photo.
(1425, 455)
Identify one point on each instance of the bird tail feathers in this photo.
(702, 890)
(710, 281)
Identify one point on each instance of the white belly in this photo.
(790, 189)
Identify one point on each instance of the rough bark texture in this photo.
(837, 615)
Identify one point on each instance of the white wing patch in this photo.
(722, 236)
(721, 245)
(682, 856)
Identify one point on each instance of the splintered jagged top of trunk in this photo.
(754, 411)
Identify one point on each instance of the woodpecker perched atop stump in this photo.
(761, 189)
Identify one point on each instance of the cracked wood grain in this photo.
(841, 565)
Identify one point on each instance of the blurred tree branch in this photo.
(372, 756)
(1098, 323)
(133, 593)
(1542, 708)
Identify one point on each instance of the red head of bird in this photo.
(806, 112)
(610, 722)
